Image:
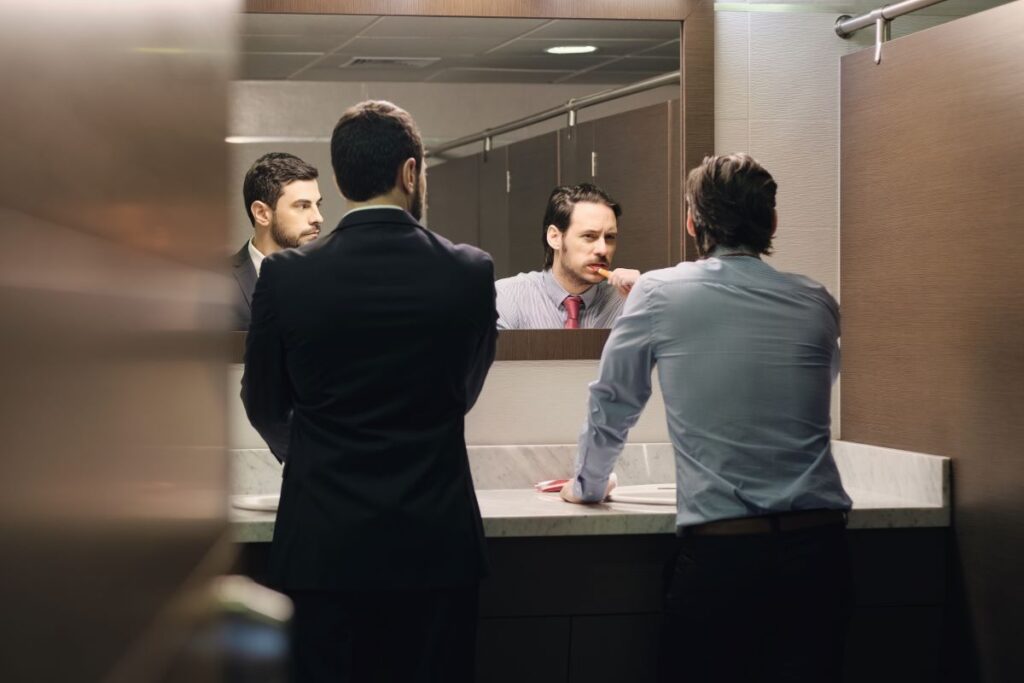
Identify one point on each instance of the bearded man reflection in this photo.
(576, 288)
(282, 198)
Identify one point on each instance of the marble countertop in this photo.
(890, 489)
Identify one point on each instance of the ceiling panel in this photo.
(277, 46)
(445, 27)
(660, 65)
(605, 46)
(418, 47)
(366, 75)
(669, 49)
(491, 76)
(273, 66)
(303, 24)
(294, 43)
(611, 77)
(563, 63)
(597, 28)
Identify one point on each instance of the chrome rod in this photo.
(846, 25)
(572, 105)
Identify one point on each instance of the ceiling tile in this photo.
(297, 43)
(659, 65)
(303, 24)
(445, 27)
(417, 47)
(491, 76)
(373, 75)
(605, 47)
(267, 66)
(607, 28)
(669, 49)
(611, 77)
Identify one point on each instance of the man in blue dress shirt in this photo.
(760, 585)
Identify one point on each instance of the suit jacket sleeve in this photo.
(266, 387)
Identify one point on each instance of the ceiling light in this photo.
(571, 49)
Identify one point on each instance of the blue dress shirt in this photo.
(746, 356)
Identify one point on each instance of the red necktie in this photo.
(572, 312)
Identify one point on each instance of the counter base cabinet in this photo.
(586, 609)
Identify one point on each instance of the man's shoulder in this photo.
(521, 281)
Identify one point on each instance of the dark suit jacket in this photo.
(365, 352)
(245, 277)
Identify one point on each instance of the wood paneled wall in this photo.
(932, 284)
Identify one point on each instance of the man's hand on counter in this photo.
(569, 497)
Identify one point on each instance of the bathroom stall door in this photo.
(532, 174)
(932, 286)
(452, 196)
(492, 206)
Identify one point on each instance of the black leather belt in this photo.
(767, 524)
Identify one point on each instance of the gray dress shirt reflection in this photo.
(532, 301)
(746, 357)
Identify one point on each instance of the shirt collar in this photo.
(720, 250)
(257, 257)
(372, 206)
(557, 295)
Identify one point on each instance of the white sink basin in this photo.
(266, 502)
(645, 494)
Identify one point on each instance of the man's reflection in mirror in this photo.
(577, 287)
(282, 199)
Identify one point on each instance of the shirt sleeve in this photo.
(266, 387)
(617, 397)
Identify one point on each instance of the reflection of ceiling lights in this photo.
(571, 49)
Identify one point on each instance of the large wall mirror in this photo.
(462, 75)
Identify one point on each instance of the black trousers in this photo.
(422, 636)
(759, 607)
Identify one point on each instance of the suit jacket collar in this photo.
(383, 215)
(244, 272)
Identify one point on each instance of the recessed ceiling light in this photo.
(571, 49)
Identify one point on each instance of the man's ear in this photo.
(262, 214)
(554, 237)
(409, 176)
(691, 229)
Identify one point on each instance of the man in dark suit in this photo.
(365, 352)
(282, 199)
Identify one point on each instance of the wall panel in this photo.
(932, 190)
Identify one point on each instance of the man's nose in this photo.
(317, 218)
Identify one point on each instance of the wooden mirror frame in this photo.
(696, 97)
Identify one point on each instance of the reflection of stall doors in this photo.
(498, 203)
(932, 284)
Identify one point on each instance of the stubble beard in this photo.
(281, 238)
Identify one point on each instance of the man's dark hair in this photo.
(559, 211)
(266, 178)
(370, 143)
(732, 200)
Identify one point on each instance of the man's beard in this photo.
(572, 275)
(418, 201)
(281, 238)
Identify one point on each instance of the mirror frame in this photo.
(696, 96)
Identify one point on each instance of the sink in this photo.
(645, 494)
(263, 502)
